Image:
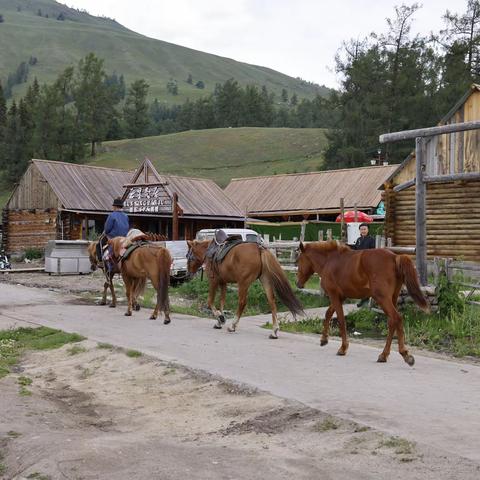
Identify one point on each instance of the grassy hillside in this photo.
(57, 44)
(221, 154)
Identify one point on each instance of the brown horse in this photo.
(147, 261)
(346, 273)
(95, 263)
(244, 264)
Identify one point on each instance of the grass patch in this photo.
(106, 346)
(326, 425)
(399, 445)
(39, 476)
(133, 353)
(76, 349)
(13, 434)
(3, 468)
(14, 342)
(24, 381)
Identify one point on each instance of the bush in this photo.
(33, 253)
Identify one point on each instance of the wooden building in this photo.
(57, 200)
(309, 196)
(452, 190)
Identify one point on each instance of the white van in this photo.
(247, 234)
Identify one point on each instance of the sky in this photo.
(296, 37)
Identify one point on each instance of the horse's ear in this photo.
(301, 247)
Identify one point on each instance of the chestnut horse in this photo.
(150, 261)
(95, 263)
(244, 264)
(376, 273)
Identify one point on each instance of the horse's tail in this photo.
(164, 263)
(407, 272)
(276, 277)
(138, 287)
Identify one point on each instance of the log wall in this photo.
(29, 229)
(453, 219)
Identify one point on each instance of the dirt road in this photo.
(178, 424)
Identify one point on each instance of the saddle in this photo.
(221, 246)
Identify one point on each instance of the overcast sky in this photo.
(296, 37)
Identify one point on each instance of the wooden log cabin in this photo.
(65, 201)
(452, 204)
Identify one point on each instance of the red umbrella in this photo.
(350, 217)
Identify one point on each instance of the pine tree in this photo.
(135, 112)
(284, 95)
(94, 100)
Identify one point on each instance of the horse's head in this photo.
(119, 246)
(92, 255)
(304, 266)
(196, 254)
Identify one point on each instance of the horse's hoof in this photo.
(110, 306)
(231, 329)
(102, 303)
(381, 358)
(128, 314)
(217, 326)
(166, 321)
(341, 353)
(323, 342)
(152, 317)
(273, 337)
(409, 359)
(221, 318)
(137, 307)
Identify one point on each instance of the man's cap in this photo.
(117, 202)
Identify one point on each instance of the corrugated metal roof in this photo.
(314, 191)
(84, 187)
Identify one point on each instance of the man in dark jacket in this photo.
(117, 224)
(364, 241)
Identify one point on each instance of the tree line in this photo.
(395, 81)
(390, 81)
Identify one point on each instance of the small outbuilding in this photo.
(452, 178)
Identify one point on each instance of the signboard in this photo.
(147, 199)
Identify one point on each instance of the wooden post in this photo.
(320, 235)
(420, 212)
(356, 212)
(342, 218)
(329, 233)
(175, 217)
(302, 231)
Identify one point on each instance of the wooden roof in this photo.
(88, 188)
(309, 192)
(82, 187)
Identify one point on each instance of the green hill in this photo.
(223, 153)
(26, 31)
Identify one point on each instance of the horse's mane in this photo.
(328, 246)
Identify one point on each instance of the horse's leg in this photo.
(242, 302)
(395, 324)
(129, 293)
(223, 295)
(326, 326)
(212, 291)
(156, 285)
(273, 306)
(113, 304)
(336, 304)
(104, 296)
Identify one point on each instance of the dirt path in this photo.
(100, 414)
